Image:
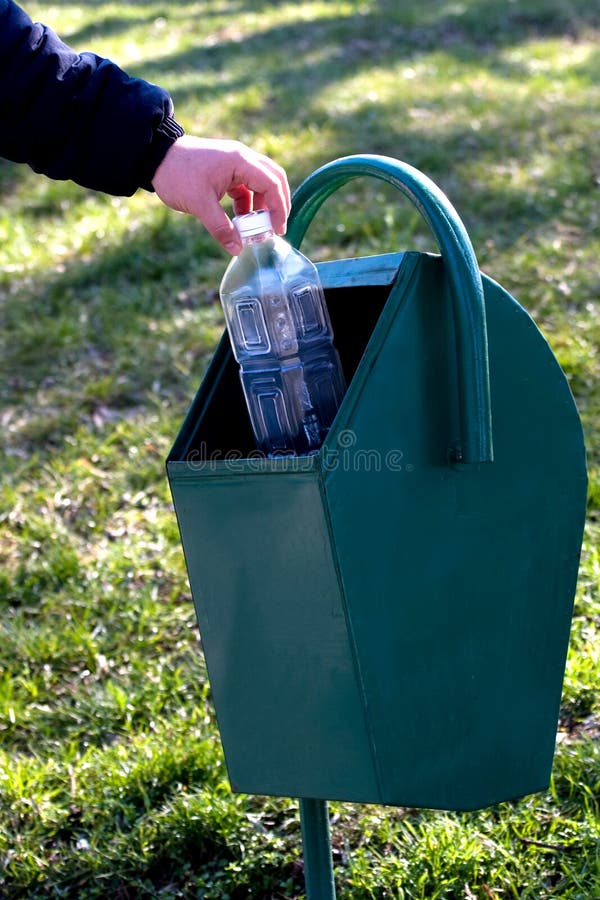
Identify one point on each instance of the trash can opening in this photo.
(218, 426)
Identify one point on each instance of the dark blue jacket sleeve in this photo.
(77, 116)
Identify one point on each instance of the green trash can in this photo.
(387, 621)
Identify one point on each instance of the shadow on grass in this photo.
(194, 844)
(296, 61)
(11, 176)
(284, 55)
(444, 150)
(105, 27)
(103, 337)
(90, 317)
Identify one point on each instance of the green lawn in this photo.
(112, 782)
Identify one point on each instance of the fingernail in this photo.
(232, 247)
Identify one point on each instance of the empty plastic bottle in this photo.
(282, 338)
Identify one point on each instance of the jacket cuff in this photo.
(165, 136)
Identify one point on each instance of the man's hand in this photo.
(197, 173)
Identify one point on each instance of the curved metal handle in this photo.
(461, 267)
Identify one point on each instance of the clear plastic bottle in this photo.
(282, 338)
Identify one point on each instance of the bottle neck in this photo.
(254, 227)
(256, 238)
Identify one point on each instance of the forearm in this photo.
(80, 117)
(77, 116)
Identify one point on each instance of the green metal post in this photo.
(316, 842)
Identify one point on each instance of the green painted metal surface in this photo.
(316, 844)
(382, 623)
(461, 271)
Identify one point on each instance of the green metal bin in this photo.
(387, 621)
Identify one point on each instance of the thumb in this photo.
(219, 225)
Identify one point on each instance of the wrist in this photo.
(164, 137)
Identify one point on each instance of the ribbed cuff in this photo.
(171, 129)
(165, 136)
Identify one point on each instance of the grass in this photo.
(112, 782)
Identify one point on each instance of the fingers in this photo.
(270, 187)
(219, 225)
(196, 173)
